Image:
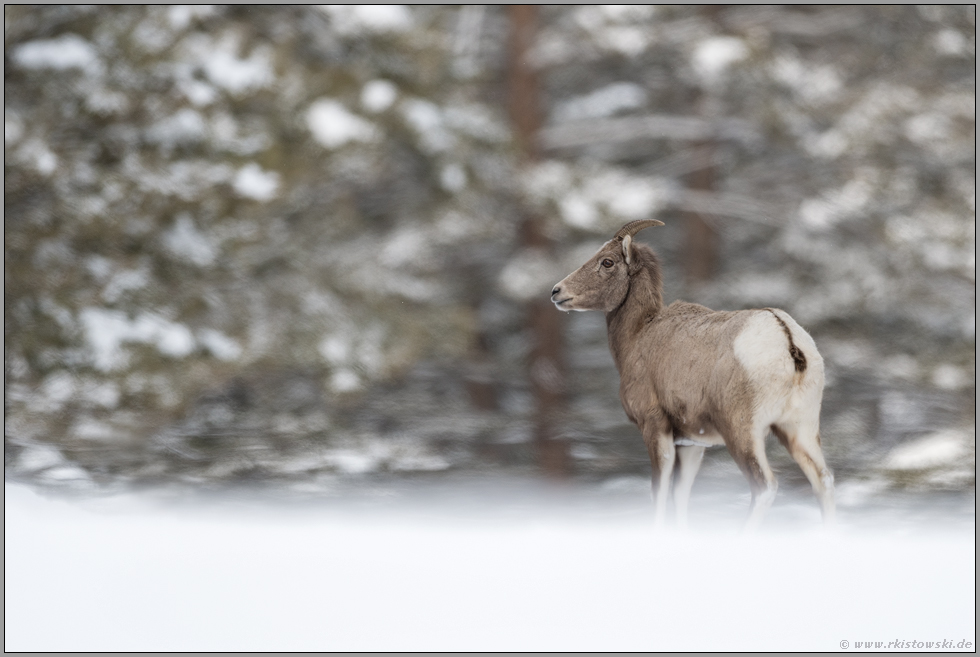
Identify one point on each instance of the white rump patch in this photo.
(781, 393)
(763, 348)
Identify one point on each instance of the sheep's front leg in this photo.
(689, 457)
(660, 445)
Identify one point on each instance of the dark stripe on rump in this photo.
(799, 360)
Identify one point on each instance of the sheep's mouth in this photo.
(559, 302)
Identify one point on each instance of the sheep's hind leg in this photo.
(660, 445)
(804, 446)
(749, 451)
(689, 460)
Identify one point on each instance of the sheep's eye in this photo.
(607, 263)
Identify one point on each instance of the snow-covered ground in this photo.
(502, 566)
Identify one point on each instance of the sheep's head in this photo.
(602, 282)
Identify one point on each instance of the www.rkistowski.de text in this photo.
(909, 644)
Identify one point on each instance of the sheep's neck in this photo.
(642, 304)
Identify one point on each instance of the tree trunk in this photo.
(701, 244)
(702, 240)
(547, 362)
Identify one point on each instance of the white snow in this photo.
(227, 135)
(333, 125)
(46, 161)
(628, 197)
(578, 211)
(614, 28)
(810, 83)
(530, 274)
(378, 95)
(602, 102)
(171, 338)
(477, 121)
(187, 242)
(100, 267)
(345, 380)
(408, 244)
(352, 461)
(58, 388)
(67, 474)
(951, 42)
(335, 349)
(181, 16)
(714, 55)
(927, 127)
(950, 377)
(122, 574)
(628, 13)
(943, 448)
(427, 120)
(219, 344)
(355, 19)
(184, 126)
(108, 330)
(254, 182)
(829, 144)
(91, 429)
(68, 51)
(13, 128)
(37, 153)
(901, 366)
(124, 281)
(223, 66)
(763, 289)
(185, 179)
(200, 93)
(452, 177)
(548, 180)
(627, 39)
(602, 192)
(39, 457)
(105, 394)
(636, 199)
(352, 353)
(399, 453)
(414, 462)
(56, 311)
(834, 206)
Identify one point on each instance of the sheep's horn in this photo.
(633, 227)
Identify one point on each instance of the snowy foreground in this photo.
(130, 573)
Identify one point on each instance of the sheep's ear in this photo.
(627, 242)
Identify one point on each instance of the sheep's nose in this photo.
(555, 291)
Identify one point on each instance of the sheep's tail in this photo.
(799, 360)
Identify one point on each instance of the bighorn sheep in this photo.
(691, 377)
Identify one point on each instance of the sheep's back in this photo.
(684, 364)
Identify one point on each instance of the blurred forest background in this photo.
(296, 246)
